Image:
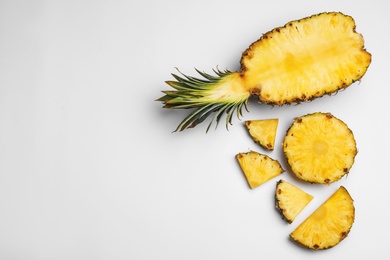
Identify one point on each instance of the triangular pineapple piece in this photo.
(258, 168)
(263, 131)
(320, 148)
(329, 224)
(290, 200)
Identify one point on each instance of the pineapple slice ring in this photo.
(319, 148)
(263, 131)
(329, 224)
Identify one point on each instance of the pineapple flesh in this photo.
(319, 148)
(258, 168)
(290, 200)
(263, 132)
(303, 60)
(329, 224)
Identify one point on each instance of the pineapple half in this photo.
(319, 148)
(303, 60)
(290, 200)
(329, 224)
(258, 168)
(263, 131)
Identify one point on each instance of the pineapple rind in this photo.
(319, 148)
(329, 224)
(263, 131)
(290, 200)
(258, 168)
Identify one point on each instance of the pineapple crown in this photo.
(205, 95)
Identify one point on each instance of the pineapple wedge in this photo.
(263, 132)
(303, 60)
(329, 224)
(320, 148)
(290, 200)
(258, 168)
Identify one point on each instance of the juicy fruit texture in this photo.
(290, 200)
(263, 132)
(320, 148)
(300, 61)
(306, 59)
(258, 168)
(329, 224)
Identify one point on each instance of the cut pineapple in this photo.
(329, 224)
(263, 132)
(258, 168)
(319, 148)
(290, 200)
(300, 61)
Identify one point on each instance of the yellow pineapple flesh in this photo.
(263, 131)
(258, 168)
(290, 200)
(300, 61)
(319, 148)
(305, 59)
(329, 224)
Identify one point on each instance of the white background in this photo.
(90, 168)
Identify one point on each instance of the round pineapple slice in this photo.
(290, 200)
(329, 224)
(319, 148)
